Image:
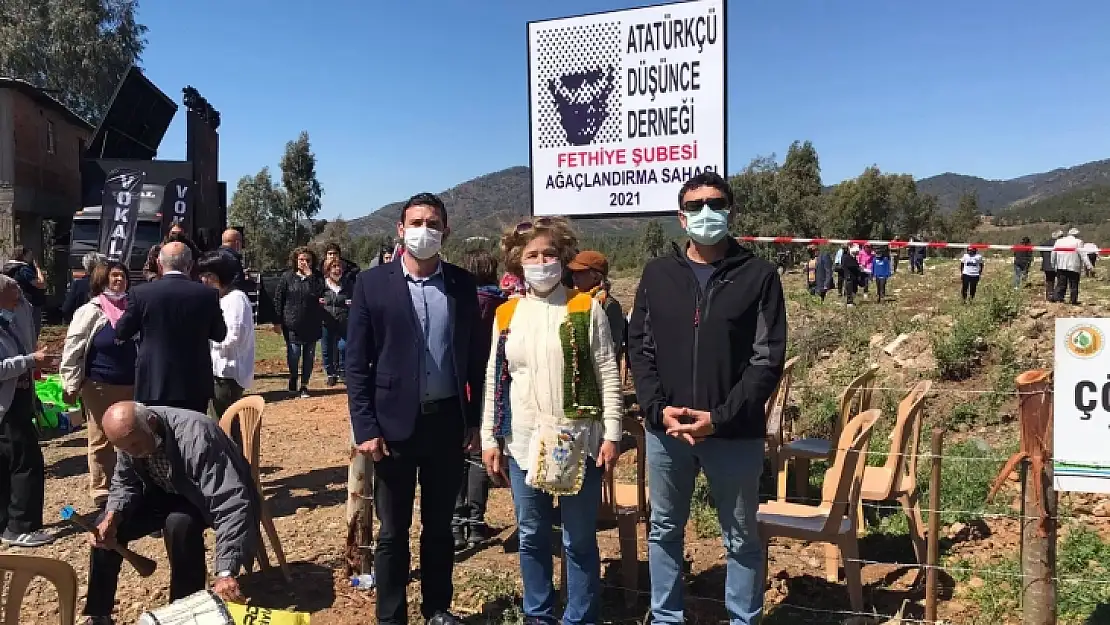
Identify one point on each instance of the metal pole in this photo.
(934, 528)
(1024, 473)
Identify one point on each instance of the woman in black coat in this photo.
(300, 316)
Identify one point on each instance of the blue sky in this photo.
(402, 96)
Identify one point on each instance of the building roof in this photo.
(45, 99)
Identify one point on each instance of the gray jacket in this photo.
(208, 470)
(14, 361)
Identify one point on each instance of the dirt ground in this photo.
(304, 456)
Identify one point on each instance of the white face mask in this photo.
(115, 297)
(543, 277)
(423, 242)
(707, 226)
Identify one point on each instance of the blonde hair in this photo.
(516, 238)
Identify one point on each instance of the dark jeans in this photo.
(840, 282)
(968, 284)
(880, 287)
(470, 505)
(432, 456)
(227, 392)
(22, 469)
(1050, 285)
(850, 289)
(1067, 281)
(333, 348)
(303, 354)
(183, 528)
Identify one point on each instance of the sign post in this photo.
(624, 107)
(1082, 406)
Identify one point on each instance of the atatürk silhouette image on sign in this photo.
(582, 99)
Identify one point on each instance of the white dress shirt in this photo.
(233, 357)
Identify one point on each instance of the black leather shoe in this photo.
(459, 536)
(444, 618)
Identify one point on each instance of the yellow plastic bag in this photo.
(254, 615)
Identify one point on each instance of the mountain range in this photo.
(486, 204)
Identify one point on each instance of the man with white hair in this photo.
(1070, 261)
(177, 318)
(22, 477)
(176, 471)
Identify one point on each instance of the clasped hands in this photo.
(687, 424)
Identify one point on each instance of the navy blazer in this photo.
(176, 318)
(384, 343)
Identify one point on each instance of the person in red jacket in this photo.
(469, 528)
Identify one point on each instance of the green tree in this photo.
(756, 198)
(255, 206)
(302, 189)
(337, 232)
(858, 208)
(965, 219)
(76, 50)
(798, 190)
(653, 239)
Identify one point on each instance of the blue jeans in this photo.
(1020, 275)
(304, 355)
(333, 348)
(733, 468)
(534, 518)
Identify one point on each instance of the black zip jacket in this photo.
(722, 350)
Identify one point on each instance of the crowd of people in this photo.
(524, 373)
(502, 370)
(855, 267)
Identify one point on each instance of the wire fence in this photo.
(969, 557)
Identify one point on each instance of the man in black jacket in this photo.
(231, 246)
(706, 342)
(1047, 266)
(177, 317)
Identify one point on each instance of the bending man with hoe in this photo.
(176, 471)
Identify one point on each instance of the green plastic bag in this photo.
(53, 407)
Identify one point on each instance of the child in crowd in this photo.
(881, 269)
(865, 258)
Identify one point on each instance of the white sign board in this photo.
(1081, 406)
(624, 107)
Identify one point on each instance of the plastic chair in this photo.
(776, 407)
(897, 478)
(855, 399)
(832, 521)
(248, 413)
(26, 568)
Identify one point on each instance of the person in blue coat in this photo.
(881, 270)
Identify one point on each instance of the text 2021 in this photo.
(624, 199)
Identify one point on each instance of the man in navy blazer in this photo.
(415, 373)
(174, 318)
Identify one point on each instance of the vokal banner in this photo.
(119, 213)
(625, 107)
(177, 205)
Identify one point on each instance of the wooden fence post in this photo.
(1038, 500)
(1038, 525)
(933, 556)
(360, 513)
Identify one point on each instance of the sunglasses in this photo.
(714, 203)
(525, 226)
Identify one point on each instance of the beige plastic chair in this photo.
(248, 413)
(776, 407)
(26, 568)
(855, 399)
(833, 521)
(897, 478)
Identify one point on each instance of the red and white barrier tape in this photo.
(895, 244)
